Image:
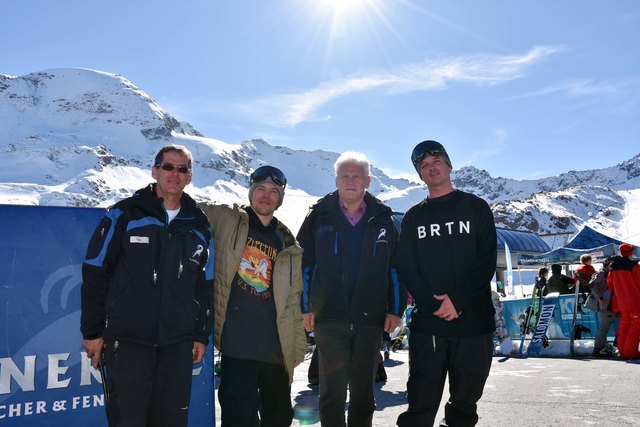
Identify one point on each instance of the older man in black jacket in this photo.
(351, 292)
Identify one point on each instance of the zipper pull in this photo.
(180, 270)
(155, 277)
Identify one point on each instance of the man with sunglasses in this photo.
(146, 296)
(446, 258)
(351, 294)
(258, 322)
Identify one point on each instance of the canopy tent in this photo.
(520, 241)
(590, 238)
(587, 241)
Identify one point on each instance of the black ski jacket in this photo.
(376, 291)
(145, 280)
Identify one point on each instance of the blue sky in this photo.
(520, 89)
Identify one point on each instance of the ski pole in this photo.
(103, 376)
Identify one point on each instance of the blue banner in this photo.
(560, 325)
(45, 376)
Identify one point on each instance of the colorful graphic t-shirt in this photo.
(250, 330)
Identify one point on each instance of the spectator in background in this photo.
(624, 282)
(541, 281)
(601, 292)
(558, 282)
(584, 272)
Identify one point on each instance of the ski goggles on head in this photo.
(264, 172)
(427, 148)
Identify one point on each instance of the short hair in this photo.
(542, 271)
(355, 158)
(173, 147)
(585, 258)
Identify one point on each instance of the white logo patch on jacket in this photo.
(197, 253)
(139, 239)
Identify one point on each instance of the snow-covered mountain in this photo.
(77, 137)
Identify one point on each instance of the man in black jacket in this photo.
(146, 296)
(446, 258)
(350, 290)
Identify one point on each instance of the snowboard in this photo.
(531, 316)
(501, 333)
(546, 313)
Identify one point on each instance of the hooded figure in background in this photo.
(624, 282)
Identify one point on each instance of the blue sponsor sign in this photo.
(560, 322)
(45, 376)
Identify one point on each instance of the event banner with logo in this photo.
(45, 377)
(561, 322)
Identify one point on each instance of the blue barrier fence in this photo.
(45, 376)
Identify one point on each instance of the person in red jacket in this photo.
(624, 282)
(584, 272)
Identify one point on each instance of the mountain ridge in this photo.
(79, 137)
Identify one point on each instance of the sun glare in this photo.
(339, 7)
(346, 29)
(343, 14)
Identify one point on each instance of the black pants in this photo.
(313, 372)
(248, 388)
(347, 355)
(149, 386)
(466, 360)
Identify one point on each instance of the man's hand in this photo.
(391, 322)
(198, 351)
(309, 321)
(295, 363)
(446, 311)
(94, 350)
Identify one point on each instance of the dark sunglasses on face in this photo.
(265, 172)
(424, 149)
(170, 168)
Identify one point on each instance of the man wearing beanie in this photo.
(446, 259)
(258, 322)
(624, 282)
(351, 292)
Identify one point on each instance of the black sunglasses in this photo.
(170, 168)
(426, 148)
(264, 172)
